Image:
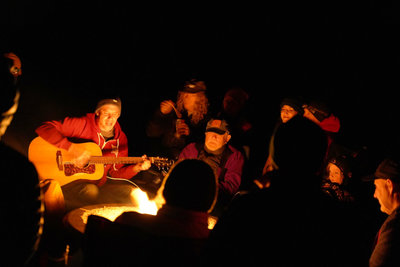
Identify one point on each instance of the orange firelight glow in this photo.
(111, 212)
(145, 205)
(142, 205)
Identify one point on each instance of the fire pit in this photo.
(78, 217)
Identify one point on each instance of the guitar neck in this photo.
(118, 160)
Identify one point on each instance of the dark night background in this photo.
(74, 52)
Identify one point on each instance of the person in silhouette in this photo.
(21, 202)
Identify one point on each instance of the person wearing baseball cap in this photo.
(176, 124)
(217, 135)
(225, 160)
(387, 191)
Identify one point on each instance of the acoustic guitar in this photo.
(52, 162)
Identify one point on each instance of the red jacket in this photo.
(330, 124)
(85, 128)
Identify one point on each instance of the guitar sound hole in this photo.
(71, 169)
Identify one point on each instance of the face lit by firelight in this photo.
(190, 101)
(107, 117)
(383, 193)
(287, 112)
(216, 141)
(335, 174)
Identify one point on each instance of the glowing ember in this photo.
(112, 211)
(142, 205)
(108, 212)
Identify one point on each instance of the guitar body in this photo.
(52, 162)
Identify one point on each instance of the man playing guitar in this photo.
(102, 128)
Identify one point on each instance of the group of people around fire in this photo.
(305, 206)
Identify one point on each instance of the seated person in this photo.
(290, 107)
(175, 235)
(20, 202)
(102, 128)
(176, 124)
(226, 161)
(290, 223)
(336, 179)
(385, 250)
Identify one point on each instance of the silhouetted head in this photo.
(300, 146)
(192, 185)
(9, 93)
(7, 84)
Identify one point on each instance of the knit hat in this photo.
(191, 184)
(344, 163)
(112, 101)
(193, 86)
(295, 103)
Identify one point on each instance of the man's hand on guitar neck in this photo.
(80, 154)
(142, 166)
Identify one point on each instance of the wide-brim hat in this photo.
(194, 86)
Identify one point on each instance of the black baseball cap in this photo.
(387, 169)
(217, 126)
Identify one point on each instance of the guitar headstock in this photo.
(161, 163)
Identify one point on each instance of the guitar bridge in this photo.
(70, 169)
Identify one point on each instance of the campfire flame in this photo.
(142, 205)
(145, 205)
